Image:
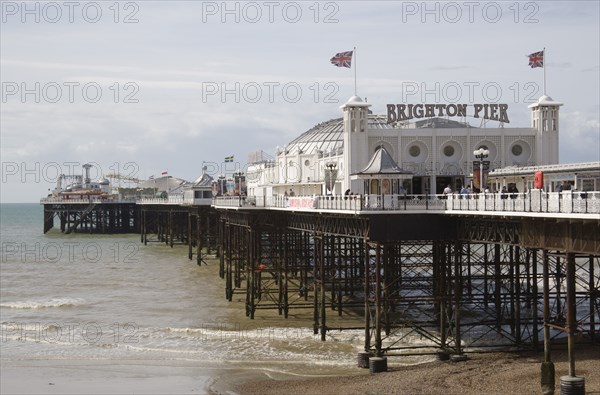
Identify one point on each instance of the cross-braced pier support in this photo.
(444, 286)
(194, 226)
(92, 217)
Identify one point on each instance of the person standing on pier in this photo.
(464, 192)
(447, 191)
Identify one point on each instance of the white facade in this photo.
(437, 151)
(544, 118)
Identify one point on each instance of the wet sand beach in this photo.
(484, 373)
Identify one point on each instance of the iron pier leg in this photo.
(497, 286)
(378, 345)
(457, 294)
(547, 366)
(535, 300)
(594, 293)
(189, 237)
(315, 287)
(571, 311)
(367, 296)
(322, 274)
(285, 274)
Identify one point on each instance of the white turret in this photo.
(544, 118)
(356, 112)
(104, 184)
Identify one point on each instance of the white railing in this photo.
(242, 201)
(168, 200)
(404, 202)
(534, 201)
(106, 200)
(197, 201)
(178, 200)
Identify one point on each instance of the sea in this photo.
(106, 314)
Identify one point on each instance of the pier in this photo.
(437, 250)
(463, 274)
(466, 274)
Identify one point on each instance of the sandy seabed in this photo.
(484, 373)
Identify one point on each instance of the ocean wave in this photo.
(250, 331)
(44, 304)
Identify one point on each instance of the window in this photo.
(517, 150)
(414, 151)
(449, 150)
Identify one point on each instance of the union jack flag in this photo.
(342, 59)
(536, 59)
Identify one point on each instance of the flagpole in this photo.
(545, 64)
(354, 71)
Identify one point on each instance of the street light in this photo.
(331, 175)
(481, 154)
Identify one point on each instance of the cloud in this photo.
(593, 69)
(559, 65)
(580, 137)
(448, 68)
(172, 58)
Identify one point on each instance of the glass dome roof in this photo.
(328, 136)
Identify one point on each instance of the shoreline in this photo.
(489, 373)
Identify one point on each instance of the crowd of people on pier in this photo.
(465, 192)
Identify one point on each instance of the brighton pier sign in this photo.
(404, 112)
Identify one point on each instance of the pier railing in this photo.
(63, 200)
(534, 201)
(168, 200)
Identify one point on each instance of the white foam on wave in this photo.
(217, 332)
(250, 344)
(44, 304)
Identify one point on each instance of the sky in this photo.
(143, 88)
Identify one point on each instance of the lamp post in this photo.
(481, 154)
(332, 175)
(222, 185)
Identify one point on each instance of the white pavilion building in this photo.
(427, 154)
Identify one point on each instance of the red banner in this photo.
(477, 173)
(538, 180)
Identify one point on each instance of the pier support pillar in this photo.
(572, 384)
(189, 237)
(367, 289)
(548, 379)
